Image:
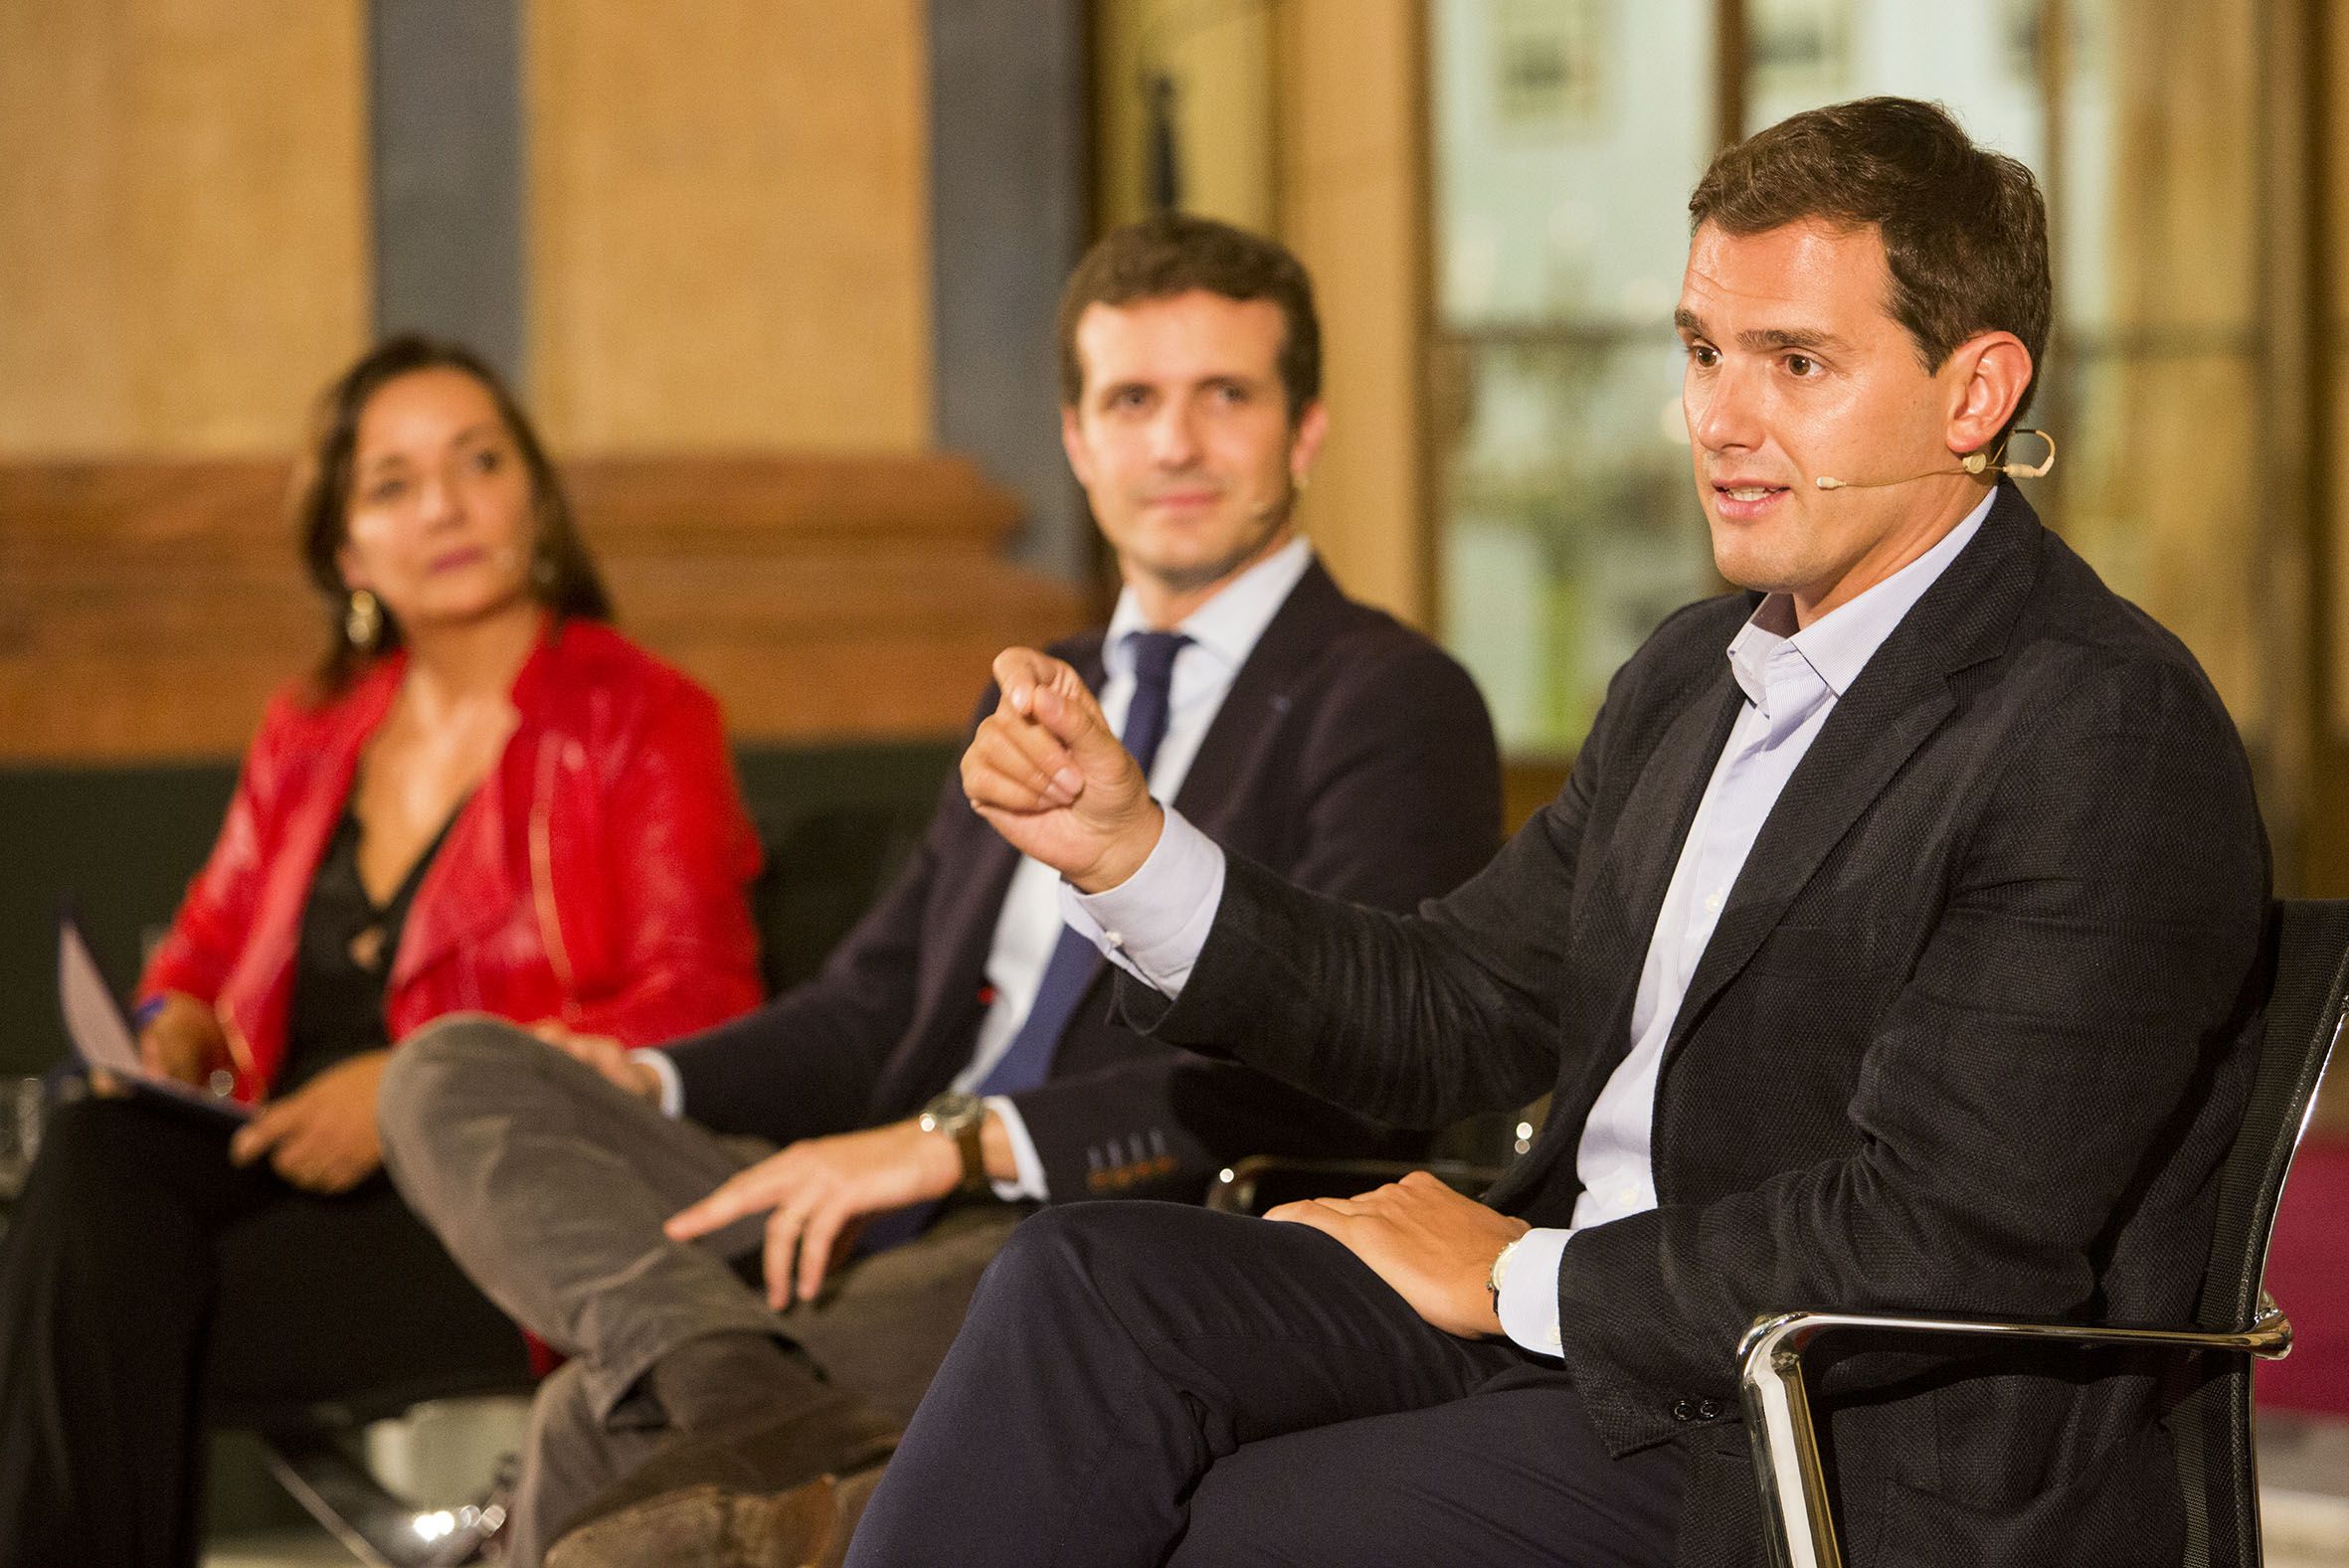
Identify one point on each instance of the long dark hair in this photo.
(563, 574)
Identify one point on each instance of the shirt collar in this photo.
(1229, 625)
(1839, 644)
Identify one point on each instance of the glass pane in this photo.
(2152, 380)
(1981, 60)
(2136, 499)
(2160, 364)
(1568, 133)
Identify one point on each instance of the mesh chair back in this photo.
(2309, 944)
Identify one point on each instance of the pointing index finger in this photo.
(715, 1212)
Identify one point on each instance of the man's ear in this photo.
(1306, 443)
(1988, 375)
(1072, 441)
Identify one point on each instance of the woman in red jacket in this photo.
(486, 801)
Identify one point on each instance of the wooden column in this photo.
(1354, 207)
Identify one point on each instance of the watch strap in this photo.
(1500, 1268)
(963, 1118)
(970, 1141)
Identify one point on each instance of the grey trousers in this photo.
(549, 1185)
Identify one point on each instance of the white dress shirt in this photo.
(1224, 632)
(1155, 922)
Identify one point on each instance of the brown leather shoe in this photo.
(709, 1526)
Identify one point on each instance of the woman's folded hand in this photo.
(322, 1138)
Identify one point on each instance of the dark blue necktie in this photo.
(1027, 1060)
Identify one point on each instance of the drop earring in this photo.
(362, 621)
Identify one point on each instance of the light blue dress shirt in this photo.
(1156, 921)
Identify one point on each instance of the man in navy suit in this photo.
(955, 1065)
(1890, 948)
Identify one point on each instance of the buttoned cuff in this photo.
(1024, 1159)
(1528, 1292)
(1154, 924)
(673, 1086)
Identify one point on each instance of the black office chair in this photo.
(2211, 1426)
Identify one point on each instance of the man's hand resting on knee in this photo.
(1433, 1246)
(606, 1055)
(816, 1191)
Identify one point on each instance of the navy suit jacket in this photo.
(1351, 754)
(1967, 1038)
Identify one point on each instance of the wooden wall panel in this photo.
(183, 231)
(1354, 206)
(728, 225)
(148, 609)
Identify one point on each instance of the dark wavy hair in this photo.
(563, 574)
(1965, 231)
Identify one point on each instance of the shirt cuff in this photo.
(1154, 924)
(1025, 1159)
(1528, 1292)
(673, 1086)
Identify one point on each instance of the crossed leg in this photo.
(1138, 1379)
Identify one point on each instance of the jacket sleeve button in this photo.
(1683, 1410)
(1707, 1410)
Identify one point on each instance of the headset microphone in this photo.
(1974, 463)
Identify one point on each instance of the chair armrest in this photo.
(1795, 1507)
(1262, 1181)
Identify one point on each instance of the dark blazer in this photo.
(1351, 754)
(1966, 1039)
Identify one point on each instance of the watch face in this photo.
(952, 1111)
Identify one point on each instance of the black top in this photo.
(342, 956)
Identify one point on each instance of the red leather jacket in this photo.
(597, 876)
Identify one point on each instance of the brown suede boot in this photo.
(708, 1526)
(744, 1496)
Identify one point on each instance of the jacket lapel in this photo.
(1656, 820)
(965, 927)
(1900, 699)
(476, 857)
(1213, 794)
(1633, 878)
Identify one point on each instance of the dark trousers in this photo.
(1140, 1383)
(146, 1285)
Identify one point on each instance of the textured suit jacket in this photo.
(1966, 1038)
(1351, 754)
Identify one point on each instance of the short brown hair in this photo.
(1965, 231)
(563, 574)
(1176, 253)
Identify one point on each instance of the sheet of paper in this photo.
(102, 1033)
